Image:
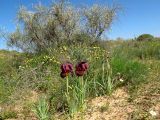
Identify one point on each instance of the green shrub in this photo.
(145, 37)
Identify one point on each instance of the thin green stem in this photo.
(82, 82)
(67, 84)
(109, 80)
(82, 89)
(103, 73)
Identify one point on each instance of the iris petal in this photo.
(81, 68)
(66, 68)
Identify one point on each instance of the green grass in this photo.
(140, 50)
(131, 71)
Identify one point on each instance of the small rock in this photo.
(153, 113)
(121, 80)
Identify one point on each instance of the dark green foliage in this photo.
(145, 37)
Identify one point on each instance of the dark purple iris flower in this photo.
(81, 68)
(66, 69)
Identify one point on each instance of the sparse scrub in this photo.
(107, 71)
(140, 50)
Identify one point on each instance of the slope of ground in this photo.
(114, 107)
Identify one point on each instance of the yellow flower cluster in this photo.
(51, 59)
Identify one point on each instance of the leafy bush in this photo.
(61, 23)
(145, 37)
